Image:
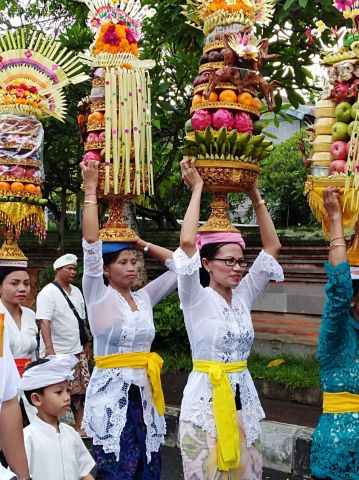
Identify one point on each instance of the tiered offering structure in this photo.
(115, 121)
(223, 133)
(335, 149)
(33, 72)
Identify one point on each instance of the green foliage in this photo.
(170, 329)
(282, 181)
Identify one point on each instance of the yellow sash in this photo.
(342, 402)
(150, 360)
(224, 409)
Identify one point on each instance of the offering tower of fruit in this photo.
(33, 73)
(335, 152)
(223, 133)
(115, 121)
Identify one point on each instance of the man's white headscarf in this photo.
(58, 369)
(68, 259)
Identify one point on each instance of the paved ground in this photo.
(172, 467)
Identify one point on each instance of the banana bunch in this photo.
(227, 145)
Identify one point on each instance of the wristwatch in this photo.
(146, 247)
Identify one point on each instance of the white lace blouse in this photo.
(218, 332)
(116, 329)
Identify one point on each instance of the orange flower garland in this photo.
(236, 6)
(114, 38)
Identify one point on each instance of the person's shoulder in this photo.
(47, 289)
(28, 312)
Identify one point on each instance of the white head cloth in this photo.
(68, 259)
(58, 369)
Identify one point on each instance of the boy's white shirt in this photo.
(56, 455)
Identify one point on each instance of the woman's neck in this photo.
(14, 309)
(225, 292)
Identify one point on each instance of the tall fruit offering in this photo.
(33, 72)
(223, 133)
(116, 120)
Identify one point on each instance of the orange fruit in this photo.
(213, 97)
(17, 187)
(228, 96)
(4, 186)
(197, 99)
(30, 187)
(256, 103)
(97, 116)
(245, 98)
(37, 189)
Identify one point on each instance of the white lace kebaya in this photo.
(116, 329)
(221, 333)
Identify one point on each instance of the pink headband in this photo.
(219, 237)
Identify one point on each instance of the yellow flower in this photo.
(351, 14)
(321, 26)
(275, 363)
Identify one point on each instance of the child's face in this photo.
(55, 399)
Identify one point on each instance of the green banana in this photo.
(248, 150)
(222, 136)
(266, 143)
(257, 152)
(203, 149)
(199, 137)
(227, 148)
(256, 140)
(214, 147)
(208, 135)
(242, 140)
(232, 137)
(223, 150)
(270, 148)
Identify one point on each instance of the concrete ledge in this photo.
(285, 447)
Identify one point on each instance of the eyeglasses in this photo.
(231, 262)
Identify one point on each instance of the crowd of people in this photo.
(121, 407)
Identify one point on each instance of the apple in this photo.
(350, 128)
(340, 131)
(343, 112)
(339, 150)
(354, 110)
(337, 166)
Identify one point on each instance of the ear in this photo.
(205, 263)
(36, 399)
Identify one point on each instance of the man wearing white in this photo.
(60, 308)
(11, 437)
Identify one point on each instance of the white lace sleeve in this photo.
(264, 268)
(92, 281)
(185, 265)
(170, 264)
(161, 287)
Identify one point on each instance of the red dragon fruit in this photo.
(223, 118)
(201, 119)
(243, 122)
(341, 91)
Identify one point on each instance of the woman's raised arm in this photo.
(90, 225)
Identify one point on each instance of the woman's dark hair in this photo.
(28, 393)
(355, 287)
(5, 271)
(208, 251)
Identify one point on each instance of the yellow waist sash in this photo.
(150, 360)
(342, 402)
(224, 409)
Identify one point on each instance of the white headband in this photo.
(58, 369)
(68, 259)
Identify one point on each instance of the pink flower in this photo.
(308, 34)
(223, 118)
(201, 119)
(28, 54)
(342, 5)
(95, 22)
(243, 122)
(129, 35)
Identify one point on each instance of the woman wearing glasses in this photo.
(220, 412)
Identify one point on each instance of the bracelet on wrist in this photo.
(260, 203)
(90, 202)
(146, 247)
(337, 238)
(337, 245)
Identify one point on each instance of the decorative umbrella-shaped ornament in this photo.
(223, 134)
(117, 126)
(33, 72)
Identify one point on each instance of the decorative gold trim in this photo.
(116, 229)
(12, 145)
(210, 66)
(227, 86)
(213, 46)
(11, 254)
(10, 178)
(228, 105)
(98, 82)
(94, 126)
(98, 106)
(94, 145)
(28, 162)
(218, 221)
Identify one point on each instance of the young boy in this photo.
(54, 450)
